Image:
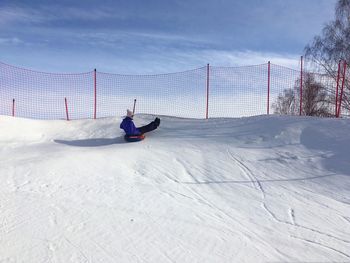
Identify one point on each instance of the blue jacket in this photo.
(129, 127)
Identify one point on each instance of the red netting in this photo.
(238, 91)
(233, 92)
(318, 91)
(178, 94)
(41, 95)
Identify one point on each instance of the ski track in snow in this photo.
(313, 242)
(201, 198)
(250, 175)
(247, 172)
(309, 229)
(224, 216)
(347, 219)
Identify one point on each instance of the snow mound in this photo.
(257, 189)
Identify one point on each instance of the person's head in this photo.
(129, 113)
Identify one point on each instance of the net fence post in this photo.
(133, 109)
(207, 104)
(342, 89)
(301, 85)
(65, 102)
(13, 107)
(336, 91)
(268, 86)
(95, 94)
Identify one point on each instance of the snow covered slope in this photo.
(258, 189)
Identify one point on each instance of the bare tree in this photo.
(315, 99)
(285, 103)
(333, 46)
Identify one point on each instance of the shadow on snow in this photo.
(96, 142)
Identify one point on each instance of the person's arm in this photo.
(134, 130)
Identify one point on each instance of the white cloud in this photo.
(10, 41)
(11, 15)
(241, 58)
(168, 60)
(74, 13)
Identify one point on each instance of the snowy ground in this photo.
(258, 189)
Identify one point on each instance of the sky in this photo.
(157, 36)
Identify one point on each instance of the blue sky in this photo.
(157, 36)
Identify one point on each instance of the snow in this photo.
(255, 189)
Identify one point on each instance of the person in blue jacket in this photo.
(129, 127)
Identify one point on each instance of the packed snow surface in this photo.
(257, 189)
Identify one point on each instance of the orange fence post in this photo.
(301, 85)
(133, 109)
(342, 90)
(13, 107)
(95, 94)
(336, 92)
(207, 105)
(65, 101)
(268, 87)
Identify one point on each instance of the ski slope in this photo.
(257, 189)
